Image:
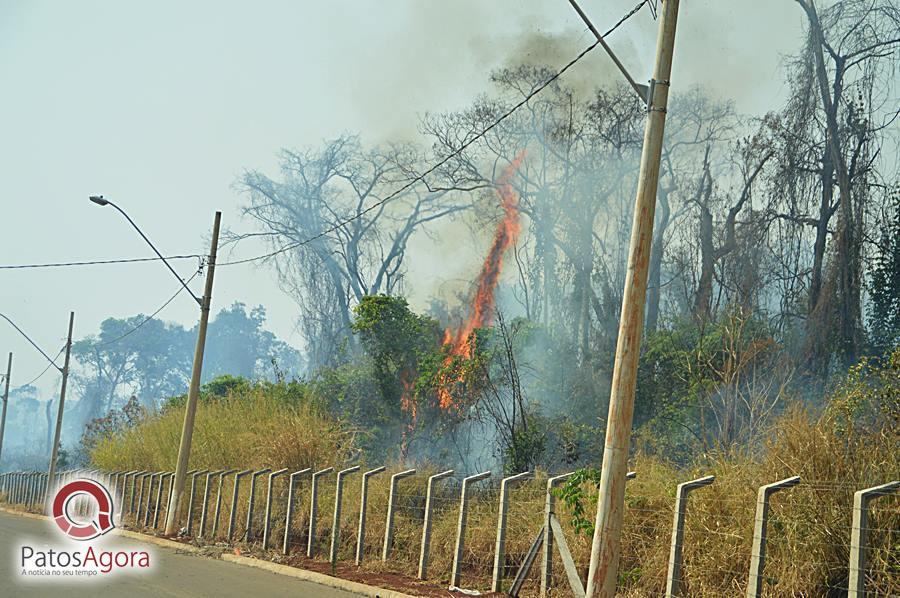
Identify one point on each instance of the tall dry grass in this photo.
(809, 529)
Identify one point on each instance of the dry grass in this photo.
(809, 528)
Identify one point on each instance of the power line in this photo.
(98, 262)
(154, 314)
(421, 177)
(39, 376)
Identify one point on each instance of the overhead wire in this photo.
(459, 150)
(154, 314)
(98, 262)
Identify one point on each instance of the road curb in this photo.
(315, 577)
(303, 574)
(23, 513)
(157, 540)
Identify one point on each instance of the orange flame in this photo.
(482, 315)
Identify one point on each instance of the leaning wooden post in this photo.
(758, 555)
(426, 524)
(234, 502)
(250, 503)
(314, 509)
(547, 552)
(461, 525)
(500, 544)
(673, 579)
(363, 497)
(289, 511)
(336, 521)
(392, 504)
(268, 515)
(859, 535)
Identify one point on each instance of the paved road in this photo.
(174, 575)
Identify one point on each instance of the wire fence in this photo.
(808, 549)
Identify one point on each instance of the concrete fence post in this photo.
(134, 480)
(461, 524)
(500, 544)
(248, 529)
(189, 523)
(314, 510)
(234, 502)
(859, 535)
(268, 514)
(140, 502)
(153, 477)
(758, 555)
(392, 505)
(673, 577)
(289, 510)
(159, 492)
(425, 548)
(204, 507)
(219, 496)
(123, 500)
(363, 499)
(336, 520)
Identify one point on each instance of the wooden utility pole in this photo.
(62, 405)
(611, 502)
(5, 401)
(187, 431)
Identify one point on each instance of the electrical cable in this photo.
(421, 177)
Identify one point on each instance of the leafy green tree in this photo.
(884, 289)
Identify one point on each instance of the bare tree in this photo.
(349, 239)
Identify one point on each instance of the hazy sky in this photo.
(161, 106)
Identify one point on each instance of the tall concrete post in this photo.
(190, 410)
(606, 544)
(5, 401)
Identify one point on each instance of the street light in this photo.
(100, 201)
(187, 431)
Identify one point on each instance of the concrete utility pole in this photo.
(187, 431)
(611, 502)
(5, 401)
(62, 405)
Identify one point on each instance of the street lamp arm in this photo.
(153, 247)
(33, 344)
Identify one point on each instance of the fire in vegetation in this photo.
(460, 341)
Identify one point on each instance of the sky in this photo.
(161, 106)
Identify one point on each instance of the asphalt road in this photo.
(174, 574)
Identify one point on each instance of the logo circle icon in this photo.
(92, 529)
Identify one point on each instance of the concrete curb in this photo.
(315, 577)
(165, 542)
(23, 513)
(303, 574)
